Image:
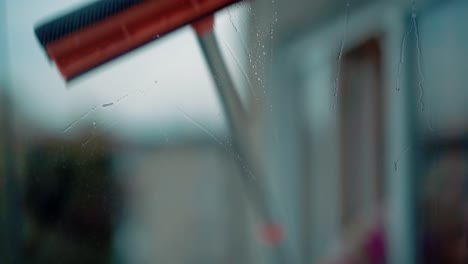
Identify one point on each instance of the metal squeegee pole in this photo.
(237, 120)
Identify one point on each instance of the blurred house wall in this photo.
(185, 203)
(303, 73)
(441, 67)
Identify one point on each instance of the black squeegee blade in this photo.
(61, 26)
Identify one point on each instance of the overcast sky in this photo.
(149, 87)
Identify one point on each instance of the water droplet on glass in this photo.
(107, 105)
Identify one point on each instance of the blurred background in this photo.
(357, 129)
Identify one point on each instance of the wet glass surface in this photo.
(283, 131)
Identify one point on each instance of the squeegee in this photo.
(99, 32)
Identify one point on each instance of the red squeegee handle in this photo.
(100, 42)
